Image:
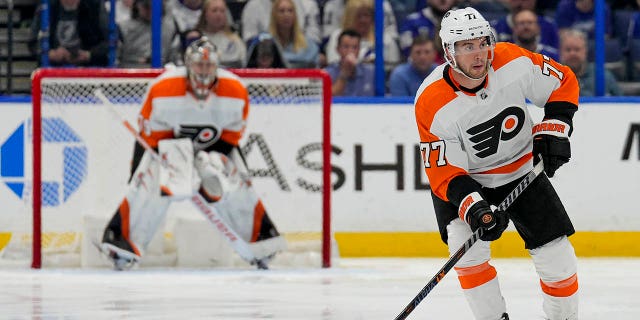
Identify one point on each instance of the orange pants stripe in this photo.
(474, 276)
(562, 288)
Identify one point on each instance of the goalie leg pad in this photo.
(142, 210)
(176, 171)
(556, 264)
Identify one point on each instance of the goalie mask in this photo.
(201, 60)
(466, 24)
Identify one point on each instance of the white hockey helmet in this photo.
(201, 60)
(464, 24)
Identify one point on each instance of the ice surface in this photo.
(356, 289)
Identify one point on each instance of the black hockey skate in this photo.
(118, 250)
(505, 316)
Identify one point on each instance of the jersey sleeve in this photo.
(233, 88)
(153, 132)
(442, 151)
(554, 86)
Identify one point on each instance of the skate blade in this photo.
(121, 259)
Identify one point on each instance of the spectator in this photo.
(407, 78)
(135, 35)
(632, 45)
(333, 13)
(185, 13)
(298, 50)
(504, 26)
(358, 16)
(78, 33)
(189, 36)
(349, 76)
(265, 52)
(255, 18)
(573, 53)
(123, 9)
(402, 8)
(425, 22)
(578, 14)
(214, 24)
(526, 34)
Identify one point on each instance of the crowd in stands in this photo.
(339, 35)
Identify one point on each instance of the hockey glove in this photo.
(551, 142)
(476, 212)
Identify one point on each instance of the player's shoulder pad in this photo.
(171, 82)
(173, 72)
(435, 76)
(226, 74)
(505, 52)
(230, 84)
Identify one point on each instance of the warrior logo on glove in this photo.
(203, 136)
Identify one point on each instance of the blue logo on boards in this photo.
(64, 161)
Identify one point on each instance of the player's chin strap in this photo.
(511, 197)
(241, 246)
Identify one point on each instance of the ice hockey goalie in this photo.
(191, 121)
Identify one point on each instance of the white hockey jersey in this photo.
(170, 106)
(488, 134)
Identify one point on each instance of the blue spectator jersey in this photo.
(634, 27)
(422, 22)
(405, 80)
(568, 16)
(362, 84)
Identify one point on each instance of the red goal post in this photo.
(316, 79)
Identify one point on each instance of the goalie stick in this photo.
(511, 197)
(239, 245)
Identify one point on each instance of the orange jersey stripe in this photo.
(155, 137)
(562, 288)
(168, 87)
(511, 167)
(431, 100)
(230, 87)
(569, 89)
(232, 137)
(475, 276)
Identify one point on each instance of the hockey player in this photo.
(478, 140)
(196, 110)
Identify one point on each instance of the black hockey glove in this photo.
(551, 142)
(476, 212)
(554, 151)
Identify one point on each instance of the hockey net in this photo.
(76, 171)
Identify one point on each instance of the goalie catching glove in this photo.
(218, 175)
(551, 142)
(475, 211)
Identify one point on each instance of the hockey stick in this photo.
(511, 197)
(240, 245)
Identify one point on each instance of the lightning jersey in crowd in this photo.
(487, 134)
(170, 110)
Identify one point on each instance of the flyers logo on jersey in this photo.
(503, 127)
(203, 136)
